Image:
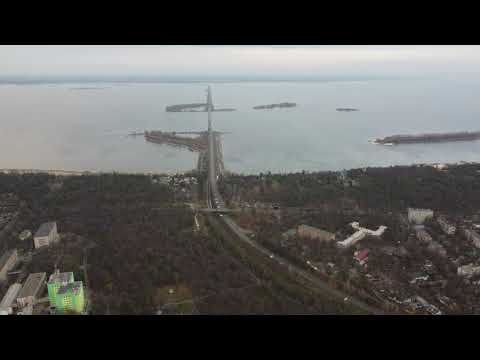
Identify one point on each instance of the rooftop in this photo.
(361, 254)
(45, 229)
(317, 230)
(32, 284)
(10, 296)
(70, 287)
(6, 256)
(59, 277)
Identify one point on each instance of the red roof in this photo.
(361, 254)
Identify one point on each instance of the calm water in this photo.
(56, 126)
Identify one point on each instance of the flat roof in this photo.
(61, 277)
(32, 284)
(10, 296)
(45, 228)
(6, 256)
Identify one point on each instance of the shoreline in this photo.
(59, 172)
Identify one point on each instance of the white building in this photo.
(418, 216)
(9, 298)
(7, 262)
(360, 234)
(47, 234)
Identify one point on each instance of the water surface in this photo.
(83, 126)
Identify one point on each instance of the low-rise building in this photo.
(473, 236)
(7, 302)
(31, 289)
(7, 262)
(361, 256)
(314, 233)
(468, 270)
(360, 234)
(418, 216)
(447, 228)
(352, 239)
(46, 235)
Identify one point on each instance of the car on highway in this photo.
(271, 256)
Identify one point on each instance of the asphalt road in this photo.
(215, 200)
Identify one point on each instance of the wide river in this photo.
(83, 126)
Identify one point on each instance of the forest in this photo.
(140, 259)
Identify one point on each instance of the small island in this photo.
(196, 107)
(273, 106)
(347, 109)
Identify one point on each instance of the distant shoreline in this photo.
(66, 81)
(86, 172)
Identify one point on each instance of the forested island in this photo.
(273, 106)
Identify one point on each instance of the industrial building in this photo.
(447, 228)
(7, 262)
(46, 235)
(418, 216)
(31, 289)
(57, 280)
(6, 305)
(70, 298)
(314, 233)
(473, 236)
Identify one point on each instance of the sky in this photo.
(253, 61)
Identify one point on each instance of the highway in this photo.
(214, 200)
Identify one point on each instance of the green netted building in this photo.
(56, 280)
(65, 294)
(70, 298)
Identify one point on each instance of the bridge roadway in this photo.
(214, 200)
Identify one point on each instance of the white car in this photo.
(346, 299)
(271, 256)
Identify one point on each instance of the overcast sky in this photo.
(241, 61)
